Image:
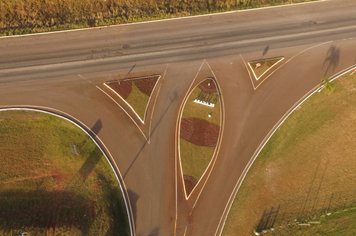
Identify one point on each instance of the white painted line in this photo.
(253, 71)
(217, 149)
(154, 104)
(307, 49)
(262, 144)
(116, 103)
(122, 108)
(177, 146)
(249, 74)
(101, 146)
(163, 20)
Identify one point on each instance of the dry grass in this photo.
(307, 168)
(46, 190)
(29, 16)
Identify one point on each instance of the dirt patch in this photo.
(123, 88)
(208, 86)
(146, 85)
(189, 183)
(199, 132)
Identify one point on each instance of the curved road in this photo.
(65, 72)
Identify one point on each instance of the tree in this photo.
(329, 86)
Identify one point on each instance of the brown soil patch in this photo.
(189, 183)
(208, 86)
(123, 88)
(146, 85)
(199, 132)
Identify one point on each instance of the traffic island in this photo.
(135, 92)
(262, 66)
(199, 132)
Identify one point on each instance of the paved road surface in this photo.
(65, 72)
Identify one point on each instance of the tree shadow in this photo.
(268, 219)
(116, 203)
(175, 95)
(133, 202)
(154, 232)
(97, 127)
(265, 51)
(332, 59)
(45, 209)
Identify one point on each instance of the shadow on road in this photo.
(332, 59)
(175, 95)
(133, 202)
(97, 127)
(265, 51)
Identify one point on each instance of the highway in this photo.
(64, 72)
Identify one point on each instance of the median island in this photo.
(199, 131)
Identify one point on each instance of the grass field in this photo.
(138, 101)
(307, 169)
(31, 16)
(44, 190)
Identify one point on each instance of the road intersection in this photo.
(65, 73)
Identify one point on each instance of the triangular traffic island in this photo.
(136, 92)
(261, 67)
(199, 132)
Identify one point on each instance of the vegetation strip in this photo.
(55, 190)
(199, 131)
(34, 16)
(136, 92)
(296, 176)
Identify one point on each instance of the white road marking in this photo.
(222, 124)
(116, 104)
(249, 74)
(154, 104)
(262, 144)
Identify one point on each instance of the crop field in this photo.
(31, 16)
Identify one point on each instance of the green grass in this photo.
(195, 159)
(306, 168)
(46, 190)
(33, 16)
(138, 101)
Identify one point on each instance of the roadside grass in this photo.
(138, 101)
(46, 190)
(307, 168)
(34, 16)
(265, 65)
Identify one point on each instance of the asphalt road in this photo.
(64, 72)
